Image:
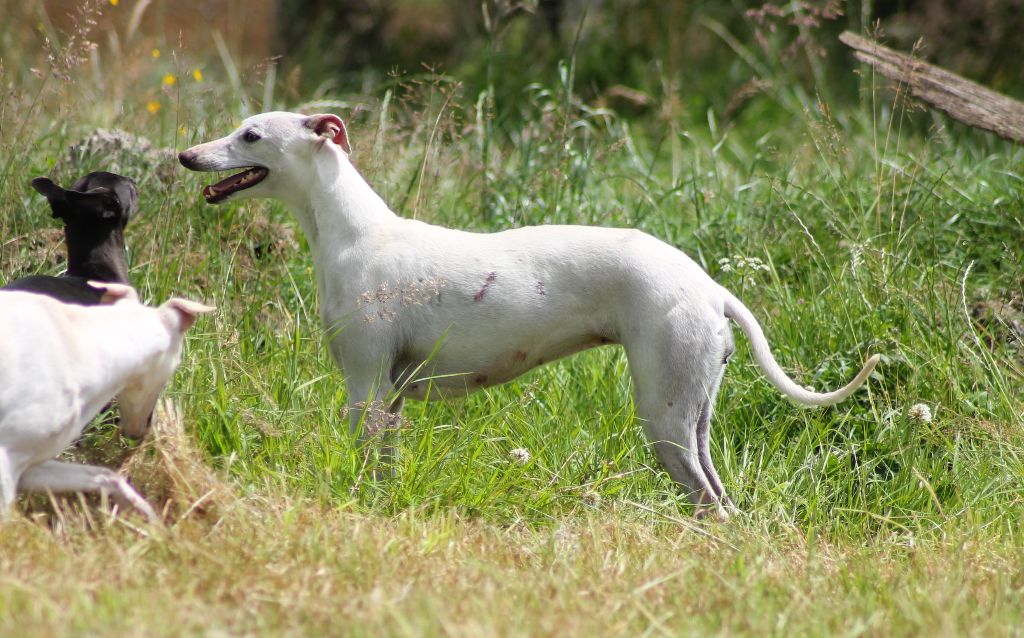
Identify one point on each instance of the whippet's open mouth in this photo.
(223, 189)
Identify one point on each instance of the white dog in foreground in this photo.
(412, 308)
(60, 364)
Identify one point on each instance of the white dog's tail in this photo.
(735, 310)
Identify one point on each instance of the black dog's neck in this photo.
(96, 254)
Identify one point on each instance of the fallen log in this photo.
(960, 98)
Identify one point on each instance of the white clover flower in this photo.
(519, 455)
(920, 412)
(747, 267)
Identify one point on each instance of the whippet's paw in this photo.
(715, 513)
(125, 496)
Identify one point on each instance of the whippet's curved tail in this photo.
(735, 310)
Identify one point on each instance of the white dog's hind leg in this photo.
(57, 477)
(704, 421)
(704, 454)
(674, 434)
(671, 422)
(676, 364)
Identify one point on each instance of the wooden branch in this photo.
(962, 99)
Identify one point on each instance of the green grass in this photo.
(880, 233)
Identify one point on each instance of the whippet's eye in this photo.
(251, 136)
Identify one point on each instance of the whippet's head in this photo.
(275, 150)
(95, 211)
(137, 400)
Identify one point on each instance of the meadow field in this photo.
(850, 224)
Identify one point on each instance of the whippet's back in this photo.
(458, 311)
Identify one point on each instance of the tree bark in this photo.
(962, 99)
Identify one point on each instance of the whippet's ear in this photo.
(330, 127)
(112, 293)
(117, 196)
(181, 314)
(53, 193)
(130, 200)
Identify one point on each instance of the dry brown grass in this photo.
(28, 254)
(175, 476)
(259, 562)
(270, 565)
(166, 468)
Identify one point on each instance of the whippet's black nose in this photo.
(187, 158)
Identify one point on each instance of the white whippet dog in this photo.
(60, 364)
(412, 308)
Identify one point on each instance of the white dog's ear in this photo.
(112, 293)
(330, 127)
(181, 314)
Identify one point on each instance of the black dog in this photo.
(95, 211)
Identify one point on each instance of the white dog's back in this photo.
(60, 363)
(37, 399)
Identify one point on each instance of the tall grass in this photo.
(881, 230)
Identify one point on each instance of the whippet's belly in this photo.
(464, 364)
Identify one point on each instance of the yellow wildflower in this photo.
(155, 53)
(198, 75)
(153, 107)
(169, 79)
(114, 2)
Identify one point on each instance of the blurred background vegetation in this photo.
(659, 58)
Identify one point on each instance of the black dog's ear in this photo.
(122, 194)
(53, 193)
(128, 195)
(101, 202)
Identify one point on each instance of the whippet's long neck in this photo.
(340, 206)
(100, 257)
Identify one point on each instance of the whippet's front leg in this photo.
(8, 485)
(368, 386)
(372, 414)
(57, 477)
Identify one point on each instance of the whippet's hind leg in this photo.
(58, 477)
(675, 390)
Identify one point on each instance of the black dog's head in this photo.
(100, 197)
(95, 211)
